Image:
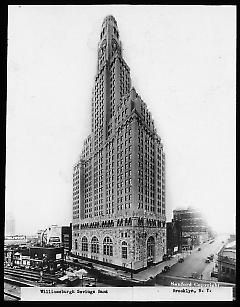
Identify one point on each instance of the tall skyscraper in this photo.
(119, 181)
(9, 224)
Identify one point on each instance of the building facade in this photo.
(194, 227)
(56, 236)
(17, 240)
(119, 180)
(227, 263)
(49, 258)
(174, 237)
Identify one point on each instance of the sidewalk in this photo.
(155, 270)
(146, 274)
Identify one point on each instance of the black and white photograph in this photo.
(120, 153)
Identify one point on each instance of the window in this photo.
(95, 245)
(76, 244)
(124, 250)
(107, 246)
(84, 244)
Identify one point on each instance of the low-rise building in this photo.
(17, 240)
(17, 256)
(227, 263)
(8, 255)
(49, 258)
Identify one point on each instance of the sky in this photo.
(182, 62)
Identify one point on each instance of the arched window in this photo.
(76, 244)
(95, 245)
(84, 244)
(124, 250)
(107, 246)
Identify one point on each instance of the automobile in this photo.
(167, 257)
(214, 274)
(210, 257)
(75, 260)
(207, 261)
(166, 269)
(194, 275)
(199, 249)
(164, 257)
(180, 260)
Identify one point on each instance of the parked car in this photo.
(195, 275)
(199, 249)
(167, 257)
(166, 269)
(214, 274)
(180, 259)
(207, 261)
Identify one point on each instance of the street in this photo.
(195, 262)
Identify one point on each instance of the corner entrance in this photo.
(150, 250)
